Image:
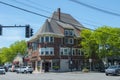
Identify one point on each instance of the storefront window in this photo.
(56, 64)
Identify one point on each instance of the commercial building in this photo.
(56, 45)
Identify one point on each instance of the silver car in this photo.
(25, 69)
(113, 70)
(2, 70)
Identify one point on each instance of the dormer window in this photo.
(66, 32)
(69, 32)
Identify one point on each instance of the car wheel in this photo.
(25, 71)
(30, 72)
(106, 74)
(116, 73)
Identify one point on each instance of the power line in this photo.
(37, 13)
(35, 3)
(95, 8)
(45, 16)
(30, 6)
(24, 9)
(32, 2)
(37, 8)
(47, 11)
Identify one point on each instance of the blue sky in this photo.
(11, 16)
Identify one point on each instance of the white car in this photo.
(25, 69)
(2, 70)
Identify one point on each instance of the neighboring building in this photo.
(18, 60)
(56, 44)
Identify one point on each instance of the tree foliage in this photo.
(104, 41)
(8, 54)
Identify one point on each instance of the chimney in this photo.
(59, 14)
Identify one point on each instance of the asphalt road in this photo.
(58, 76)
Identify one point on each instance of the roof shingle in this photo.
(52, 26)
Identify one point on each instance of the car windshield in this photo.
(23, 67)
(1, 68)
(29, 67)
(112, 67)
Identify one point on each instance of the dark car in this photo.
(113, 70)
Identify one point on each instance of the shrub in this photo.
(56, 67)
(85, 70)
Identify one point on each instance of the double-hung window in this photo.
(46, 51)
(46, 39)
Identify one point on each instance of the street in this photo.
(58, 76)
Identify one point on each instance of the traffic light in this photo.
(0, 30)
(31, 32)
(27, 31)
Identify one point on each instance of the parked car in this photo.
(2, 70)
(10, 69)
(13, 68)
(24, 69)
(7, 66)
(113, 70)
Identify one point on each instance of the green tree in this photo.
(8, 54)
(19, 47)
(108, 40)
(104, 41)
(89, 44)
(101, 43)
(114, 42)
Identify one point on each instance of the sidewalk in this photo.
(38, 72)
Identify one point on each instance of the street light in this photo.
(90, 61)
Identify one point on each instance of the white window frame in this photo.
(71, 31)
(44, 39)
(69, 40)
(44, 50)
(66, 33)
(79, 52)
(74, 51)
(47, 39)
(63, 50)
(50, 39)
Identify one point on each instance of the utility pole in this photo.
(28, 30)
(71, 60)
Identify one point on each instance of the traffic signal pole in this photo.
(28, 30)
(0, 30)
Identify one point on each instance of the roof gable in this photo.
(46, 28)
(51, 27)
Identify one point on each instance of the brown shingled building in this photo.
(55, 47)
